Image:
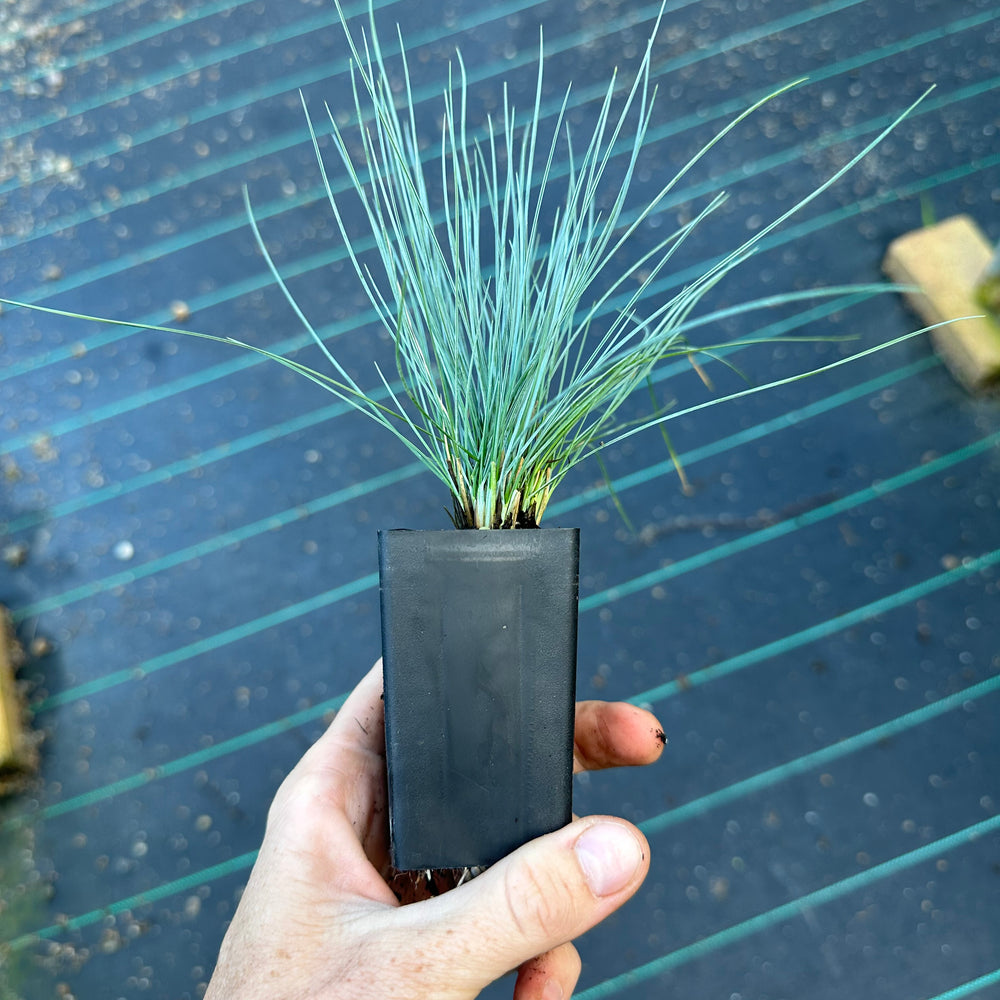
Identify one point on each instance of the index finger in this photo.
(615, 734)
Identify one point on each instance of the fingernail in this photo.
(609, 855)
(553, 990)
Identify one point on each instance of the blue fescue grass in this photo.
(505, 386)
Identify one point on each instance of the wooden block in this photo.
(946, 261)
(17, 749)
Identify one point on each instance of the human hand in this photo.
(319, 921)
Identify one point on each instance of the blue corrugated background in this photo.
(816, 625)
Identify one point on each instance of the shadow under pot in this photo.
(479, 656)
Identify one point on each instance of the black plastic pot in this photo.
(479, 656)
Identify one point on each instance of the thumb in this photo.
(546, 893)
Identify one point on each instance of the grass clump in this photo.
(505, 386)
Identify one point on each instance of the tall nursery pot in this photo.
(479, 656)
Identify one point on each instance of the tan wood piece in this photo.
(17, 752)
(946, 261)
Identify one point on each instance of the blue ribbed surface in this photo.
(815, 625)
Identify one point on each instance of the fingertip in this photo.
(616, 734)
(654, 737)
(646, 738)
(613, 856)
(552, 976)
